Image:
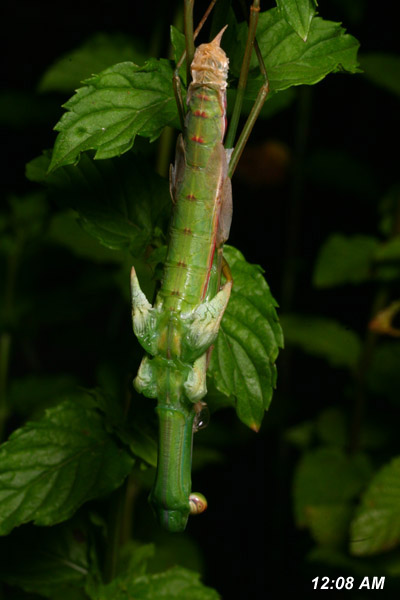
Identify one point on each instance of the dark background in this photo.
(250, 543)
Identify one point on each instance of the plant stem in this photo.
(380, 301)
(188, 20)
(114, 531)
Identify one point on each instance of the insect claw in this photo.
(205, 320)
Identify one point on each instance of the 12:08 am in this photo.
(348, 583)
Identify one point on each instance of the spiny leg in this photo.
(261, 97)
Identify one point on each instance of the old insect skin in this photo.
(184, 322)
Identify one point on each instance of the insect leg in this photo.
(261, 97)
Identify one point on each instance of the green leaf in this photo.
(327, 476)
(179, 46)
(97, 53)
(121, 202)
(332, 427)
(322, 337)
(383, 69)
(290, 61)
(49, 561)
(376, 527)
(299, 14)
(325, 483)
(242, 362)
(389, 251)
(345, 259)
(65, 230)
(329, 523)
(137, 433)
(106, 115)
(49, 468)
(175, 584)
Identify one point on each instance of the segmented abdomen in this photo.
(197, 180)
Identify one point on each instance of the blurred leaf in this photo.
(299, 14)
(49, 561)
(106, 115)
(290, 61)
(66, 231)
(332, 428)
(122, 203)
(175, 550)
(325, 483)
(327, 476)
(134, 558)
(383, 69)
(137, 433)
(376, 527)
(97, 53)
(49, 468)
(23, 222)
(389, 251)
(177, 583)
(242, 362)
(301, 435)
(30, 394)
(329, 523)
(322, 337)
(383, 376)
(344, 259)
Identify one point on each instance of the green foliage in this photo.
(291, 61)
(176, 583)
(48, 468)
(53, 564)
(125, 100)
(106, 115)
(345, 260)
(123, 204)
(98, 52)
(243, 359)
(325, 485)
(299, 14)
(376, 527)
(322, 337)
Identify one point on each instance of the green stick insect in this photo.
(178, 332)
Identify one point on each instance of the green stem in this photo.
(364, 363)
(188, 21)
(244, 72)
